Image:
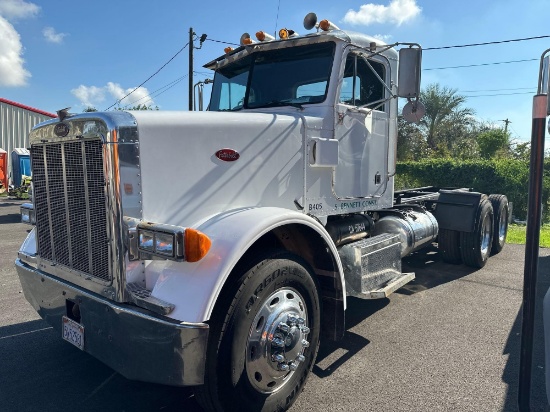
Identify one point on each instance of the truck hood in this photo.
(182, 179)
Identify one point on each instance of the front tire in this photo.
(264, 336)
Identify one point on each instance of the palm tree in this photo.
(445, 115)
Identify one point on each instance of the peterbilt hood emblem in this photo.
(61, 129)
(227, 155)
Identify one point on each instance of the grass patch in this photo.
(516, 234)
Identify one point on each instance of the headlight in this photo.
(27, 214)
(161, 240)
(171, 242)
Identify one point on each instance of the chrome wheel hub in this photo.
(502, 227)
(486, 230)
(277, 340)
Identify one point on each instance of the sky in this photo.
(59, 53)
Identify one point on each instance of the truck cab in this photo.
(214, 249)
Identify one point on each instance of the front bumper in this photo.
(133, 341)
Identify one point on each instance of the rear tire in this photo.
(475, 247)
(264, 337)
(448, 243)
(500, 225)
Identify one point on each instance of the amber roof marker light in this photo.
(263, 36)
(245, 40)
(285, 34)
(310, 22)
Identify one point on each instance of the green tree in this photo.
(494, 143)
(521, 151)
(446, 119)
(411, 144)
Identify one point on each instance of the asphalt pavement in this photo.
(448, 341)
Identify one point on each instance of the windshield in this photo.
(290, 76)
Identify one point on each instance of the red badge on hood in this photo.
(227, 155)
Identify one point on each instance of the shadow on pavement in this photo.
(11, 218)
(41, 372)
(430, 271)
(333, 355)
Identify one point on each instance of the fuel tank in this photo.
(415, 226)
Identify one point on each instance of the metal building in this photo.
(16, 121)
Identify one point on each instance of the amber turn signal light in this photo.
(197, 245)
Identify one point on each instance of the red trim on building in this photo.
(22, 106)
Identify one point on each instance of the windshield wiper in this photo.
(279, 103)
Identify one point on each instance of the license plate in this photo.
(73, 332)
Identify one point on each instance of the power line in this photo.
(221, 41)
(481, 64)
(497, 90)
(487, 43)
(166, 86)
(498, 94)
(150, 77)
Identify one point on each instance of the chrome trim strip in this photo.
(66, 195)
(86, 196)
(52, 237)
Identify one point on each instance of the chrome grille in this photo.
(70, 204)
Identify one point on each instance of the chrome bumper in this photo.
(134, 342)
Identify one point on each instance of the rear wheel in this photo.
(475, 247)
(449, 245)
(264, 338)
(501, 211)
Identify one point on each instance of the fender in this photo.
(195, 287)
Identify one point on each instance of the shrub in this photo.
(506, 176)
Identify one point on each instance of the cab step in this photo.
(372, 266)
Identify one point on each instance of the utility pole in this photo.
(506, 121)
(191, 47)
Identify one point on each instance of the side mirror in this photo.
(408, 79)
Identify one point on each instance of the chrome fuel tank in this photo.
(415, 226)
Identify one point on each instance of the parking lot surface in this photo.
(448, 341)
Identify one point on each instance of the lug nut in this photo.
(283, 367)
(278, 342)
(283, 327)
(278, 358)
(301, 321)
(305, 343)
(293, 366)
(292, 320)
(300, 358)
(305, 330)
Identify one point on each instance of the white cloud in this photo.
(89, 96)
(18, 9)
(397, 12)
(92, 96)
(384, 37)
(12, 72)
(53, 37)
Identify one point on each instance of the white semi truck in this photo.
(214, 249)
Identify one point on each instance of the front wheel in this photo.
(264, 336)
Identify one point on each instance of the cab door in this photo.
(361, 128)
